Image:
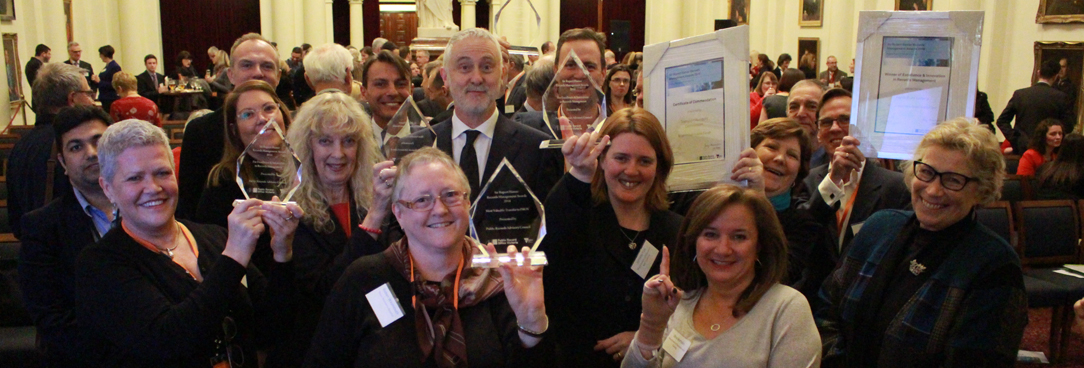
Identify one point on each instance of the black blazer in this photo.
(540, 169)
(201, 149)
(52, 238)
(148, 88)
(518, 95)
(88, 71)
(28, 173)
(878, 189)
(139, 309)
(1030, 106)
(430, 108)
(534, 120)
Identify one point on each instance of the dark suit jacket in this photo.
(430, 108)
(28, 173)
(88, 71)
(534, 120)
(302, 91)
(518, 95)
(878, 189)
(540, 169)
(1030, 106)
(200, 151)
(106, 93)
(147, 88)
(52, 238)
(31, 70)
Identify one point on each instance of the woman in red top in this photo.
(766, 86)
(1042, 148)
(131, 105)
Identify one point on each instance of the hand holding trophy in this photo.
(261, 168)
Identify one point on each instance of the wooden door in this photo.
(399, 27)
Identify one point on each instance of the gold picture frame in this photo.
(919, 5)
(811, 13)
(1059, 11)
(1073, 52)
(739, 11)
(14, 69)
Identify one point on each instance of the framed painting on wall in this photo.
(14, 74)
(739, 11)
(914, 4)
(1060, 11)
(811, 14)
(808, 49)
(7, 10)
(1070, 55)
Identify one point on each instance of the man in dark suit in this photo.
(30, 182)
(847, 190)
(150, 83)
(54, 235)
(251, 58)
(438, 98)
(1034, 104)
(514, 94)
(42, 54)
(75, 57)
(589, 47)
(477, 136)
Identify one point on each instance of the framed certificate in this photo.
(698, 87)
(914, 70)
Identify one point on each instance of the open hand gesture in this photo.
(581, 153)
(846, 158)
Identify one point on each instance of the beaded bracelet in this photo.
(374, 231)
(531, 333)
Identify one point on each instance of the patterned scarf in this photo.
(442, 334)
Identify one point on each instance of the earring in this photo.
(694, 258)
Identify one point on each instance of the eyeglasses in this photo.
(233, 355)
(826, 123)
(89, 93)
(451, 198)
(266, 110)
(950, 180)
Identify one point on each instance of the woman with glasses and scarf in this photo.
(421, 303)
(932, 287)
(158, 292)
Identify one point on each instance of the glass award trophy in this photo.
(519, 23)
(268, 167)
(399, 137)
(573, 103)
(507, 213)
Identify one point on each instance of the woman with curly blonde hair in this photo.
(346, 199)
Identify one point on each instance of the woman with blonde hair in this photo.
(131, 105)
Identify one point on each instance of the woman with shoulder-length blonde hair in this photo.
(250, 107)
(345, 198)
(612, 207)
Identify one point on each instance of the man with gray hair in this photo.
(535, 83)
(378, 44)
(514, 95)
(34, 178)
(803, 105)
(477, 136)
(328, 68)
(75, 55)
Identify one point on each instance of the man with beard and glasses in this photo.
(477, 136)
(54, 235)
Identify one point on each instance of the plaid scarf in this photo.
(442, 333)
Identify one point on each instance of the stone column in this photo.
(494, 6)
(357, 28)
(329, 21)
(467, 14)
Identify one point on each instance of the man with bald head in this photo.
(833, 75)
(251, 58)
(803, 103)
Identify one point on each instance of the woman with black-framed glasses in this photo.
(930, 287)
(420, 303)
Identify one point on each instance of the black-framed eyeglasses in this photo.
(826, 123)
(450, 197)
(950, 180)
(229, 352)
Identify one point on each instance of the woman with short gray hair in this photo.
(155, 291)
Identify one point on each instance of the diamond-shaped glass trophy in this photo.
(507, 213)
(575, 96)
(261, 168)
(519, 22)
(399, 135)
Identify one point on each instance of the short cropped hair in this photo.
(329, 62)
(106, 51)
(635, 120)
(384, 56)
(830, 95)
(148, 57)
(73, 116)
(247, 37)
(296, 50)
(464, 34)
(54, 83)
(1049, 69)
(538, 79)
(783, 58)
(131, 133)
(977, 144)
(124, 80)
(589, 34)
(771, 256)
(41, 49)
(421, 157)
(430, 68)
(790, 79)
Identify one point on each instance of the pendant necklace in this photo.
(716, 327)
(632, 240)
(168, 252)
(917, 268)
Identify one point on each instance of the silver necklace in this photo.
(632, 240)
(168, 252)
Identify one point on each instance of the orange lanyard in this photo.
(841, 217)
(455, 288)
(151, 247)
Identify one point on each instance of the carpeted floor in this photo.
(1037, 336)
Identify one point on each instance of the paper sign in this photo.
(676, 345)
(645, 259)
(385, 305)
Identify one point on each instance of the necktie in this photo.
(154, 79)
(468, 161)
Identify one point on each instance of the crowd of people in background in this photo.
(133, 256)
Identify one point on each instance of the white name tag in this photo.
(645, 259)
(385, 305)
(508, 109)
(676, 345)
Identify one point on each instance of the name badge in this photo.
(645, 259)
(385, 305)
(508, 109)
(856, 227)
(676, 345)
